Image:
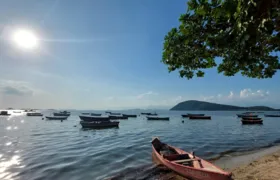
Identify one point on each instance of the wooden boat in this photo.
(251, 121)
(93, 118)
(146, 114)
(34, 114)
(115, 114)
(272, 115)
(153, 114)
(4, 113)
(117, 117)
(251, 118)
(99, 124)
(56, 117)
(188, 115)
(149, 114)
(130, 115)
(85, 113)
(94, 114)
(158, 118)
(200, 117)
(246, 115)
(61, 114)
(187, 164)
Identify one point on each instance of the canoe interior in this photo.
(183, 162)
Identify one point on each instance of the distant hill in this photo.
(194, 105)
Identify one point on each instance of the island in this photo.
(194, 105)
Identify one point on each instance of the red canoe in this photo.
(186, 164)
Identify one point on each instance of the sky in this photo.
(106, 54)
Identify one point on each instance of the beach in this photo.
(264, 168)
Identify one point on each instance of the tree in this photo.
(244, 34)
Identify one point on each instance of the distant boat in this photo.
(158, 118)
(56, 117)
(16, 111)
(251, 118)
(118, 117)
(129, 115)
(93, 118)
(200, 117)
(188, 115)
(99, 124)
(4, 113)
(34, 114)
(187, 164)
(94, 114)
(108, 112)
(115, 113)
(272, 115)
(85, 113)
(247, 121)
(246, 115)
(61, 114)
(146, 113)
(153, 114)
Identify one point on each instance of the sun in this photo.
(25, 39)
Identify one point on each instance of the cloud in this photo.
(248, 93)
(141, 96)
(16, 88)
(231, 94)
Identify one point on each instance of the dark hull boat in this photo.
(56, 117)
(108, 112)
(246, 115)
(99, 124)
(200, 117)
(85, 113)
(187, 164)
(34, 114)
(118, 114)
(4, 113)
(118, 117)
(93, 118)
(252, 121)
(129, 115)
(61, 114)
(94, 114)
(251, 118)
(158, 118)
(145, 113)
(188, 115)
(272, 115)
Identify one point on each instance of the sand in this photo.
(264, 168)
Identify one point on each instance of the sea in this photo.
(32, 148)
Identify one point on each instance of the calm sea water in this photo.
(32, 148)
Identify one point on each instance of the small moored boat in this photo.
(251, 118)
(200, 117)
(99, 124)
(86, 113)
(130, 115)
(246, 115)
(94, 118)
(187, 164)
(188, 115)
(34, 114)
(251, 121)
(61, 114)
(17, 112)
(272, 115)
(157, 118)
(118, 114)
(94, 114)
(4, 113)
(56, 117)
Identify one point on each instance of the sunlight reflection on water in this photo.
(4, 165)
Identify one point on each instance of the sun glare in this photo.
(25, 39)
